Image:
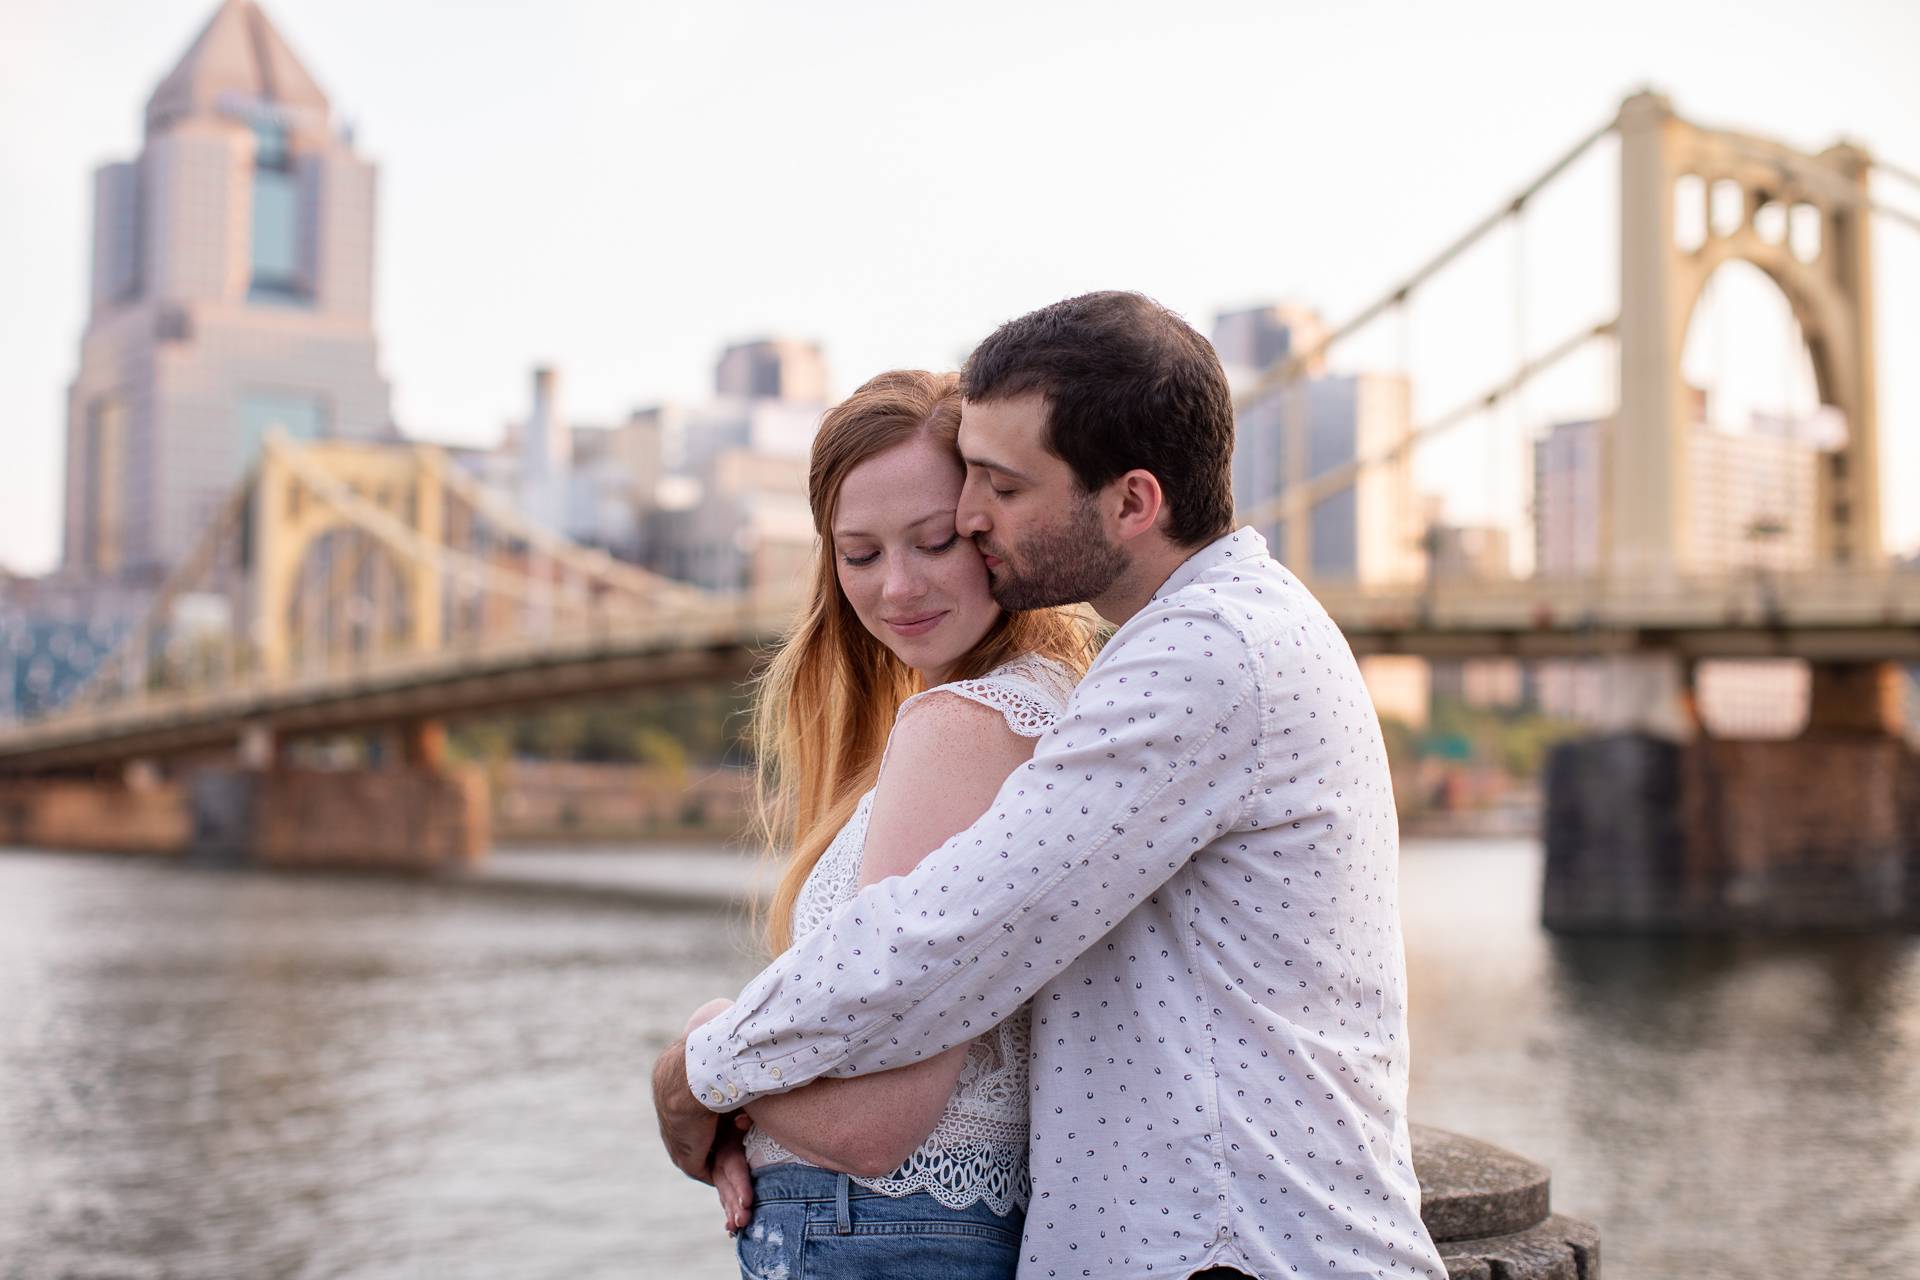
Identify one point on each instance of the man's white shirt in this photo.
(1194, 881)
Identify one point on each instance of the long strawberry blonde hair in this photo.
(826, 702)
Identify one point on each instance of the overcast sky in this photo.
(621, 188)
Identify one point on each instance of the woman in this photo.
(901, 701)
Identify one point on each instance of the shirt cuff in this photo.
(715, 1071)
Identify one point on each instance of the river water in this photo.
(208, 1075)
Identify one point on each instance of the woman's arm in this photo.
(945, 763)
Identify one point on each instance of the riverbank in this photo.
(713, 876)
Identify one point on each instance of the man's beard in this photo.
(1064, 565)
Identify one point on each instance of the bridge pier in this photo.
(1649, 832)
(405, 818)
(134, 814)
(1856, 697)
(423, 744)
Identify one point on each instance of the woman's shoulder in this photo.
(1028, 694)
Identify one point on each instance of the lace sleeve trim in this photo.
(1030, 694)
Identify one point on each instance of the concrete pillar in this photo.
(1856, 697)
(423, 583)
(1848, 484)
(1645, 509)
(1490, 1213)
(393, 819)
(271, 575)
(424, 744)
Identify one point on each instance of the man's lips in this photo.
(991, 560)
(915, 626)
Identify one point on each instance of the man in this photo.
(1194, 879)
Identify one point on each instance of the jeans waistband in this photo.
(804, 1182)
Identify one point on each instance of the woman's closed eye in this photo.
(862, 561)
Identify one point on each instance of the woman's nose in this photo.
(903, 582)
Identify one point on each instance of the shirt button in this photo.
(716, 1097)
(774, 1072)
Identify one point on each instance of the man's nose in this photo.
(970, 516)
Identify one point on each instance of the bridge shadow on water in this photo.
(1859, 981)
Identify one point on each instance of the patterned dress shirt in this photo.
(1194, 881)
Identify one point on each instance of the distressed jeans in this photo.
(814, 1224)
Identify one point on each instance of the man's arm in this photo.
(686, 1128)
(1154, 759)
(946, 760)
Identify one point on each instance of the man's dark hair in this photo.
(1128, 384)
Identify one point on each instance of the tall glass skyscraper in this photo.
(232, 294)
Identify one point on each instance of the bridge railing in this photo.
(749, 621)
(1755, 600)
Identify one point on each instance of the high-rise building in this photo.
(1364, 532)
(1751, 506)
(772, 369)
(734, 515)
(1259, 338)
(1751, 500)
(1567, 471)
(232, 295)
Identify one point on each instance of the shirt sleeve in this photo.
(1154, 758)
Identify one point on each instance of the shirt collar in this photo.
(1243, 543)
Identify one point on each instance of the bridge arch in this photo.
(1740, 304)
(298, 501)
(349, 591)
(1802, 220)
(1824, 315)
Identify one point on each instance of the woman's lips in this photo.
(916, 626)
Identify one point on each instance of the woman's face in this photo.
(916, 584)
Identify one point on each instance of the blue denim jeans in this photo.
(814, 1224)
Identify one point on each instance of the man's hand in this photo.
(686, 1126)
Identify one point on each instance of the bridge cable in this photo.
(1297, 363)
(136, 645)
(1297, 499)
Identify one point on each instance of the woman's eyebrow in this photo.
(944, 513)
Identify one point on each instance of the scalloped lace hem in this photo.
(959, 1177)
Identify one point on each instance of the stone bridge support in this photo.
(1653, 831)
(398, 819)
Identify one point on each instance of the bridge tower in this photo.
(408, 488)
(1830, 291)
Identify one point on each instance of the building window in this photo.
(276, 220)
(299, 415)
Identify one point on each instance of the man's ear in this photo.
(1137, 503)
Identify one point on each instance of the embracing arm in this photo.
(1154, 759)
(946, 760)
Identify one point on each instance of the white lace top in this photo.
(978, 1150)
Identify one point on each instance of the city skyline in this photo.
(742, 219)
